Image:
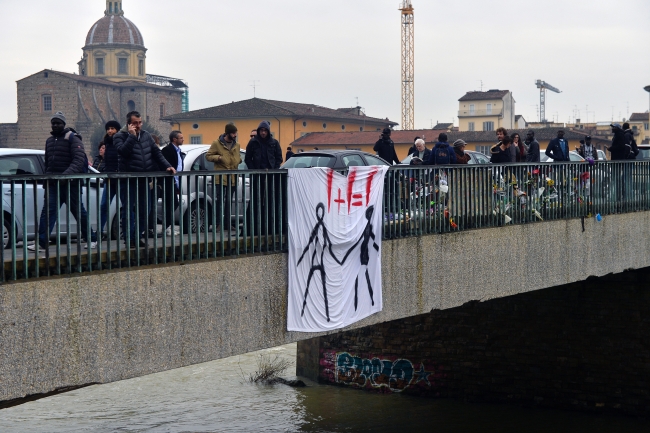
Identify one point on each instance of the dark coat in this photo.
(139, 155)
(385, 149)
(288, 155)
(629, 136)
(263, 154)
(432, 156)
(65, 156)
(170, 155)
(412, 150)
(554, 150)
(498, 156)
(532, 154)
(462, 158)
(513, 152)
(425, 157)
(111, 157)
(98, 163)
(618, 149)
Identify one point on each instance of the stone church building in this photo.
(112, 80)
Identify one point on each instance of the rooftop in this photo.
(636, 117)
(443, 126)
(257, 107)
(103, 81)
(481, 96)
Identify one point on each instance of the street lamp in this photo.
(647, 89)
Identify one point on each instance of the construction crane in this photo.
(408, 66)
(543, 86)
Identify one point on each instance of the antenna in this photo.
(357, 100)
(481, 81)
(254, 86)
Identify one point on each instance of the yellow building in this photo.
(486, 111)
(640, 122)
(288, 120)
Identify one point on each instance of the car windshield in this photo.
(308, 161)
(644, 153)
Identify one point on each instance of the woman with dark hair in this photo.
(519, 146)
(98, 161)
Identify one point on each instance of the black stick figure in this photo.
(367, 234)
(316, 264)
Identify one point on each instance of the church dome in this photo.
(114, 29)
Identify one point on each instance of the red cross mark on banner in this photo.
(352, 199)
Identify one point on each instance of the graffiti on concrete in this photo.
(393, 375)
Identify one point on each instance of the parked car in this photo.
(26, 162)
(337, 159)
(644, 152)
(573, 156)
(475, 158)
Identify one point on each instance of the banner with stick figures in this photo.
(335, 224)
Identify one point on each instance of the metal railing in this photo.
(139, 219)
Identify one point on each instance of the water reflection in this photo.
(213, 397)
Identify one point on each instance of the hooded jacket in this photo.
(385, 149)
(263, 154)
(618, 149)
(438, 145)
(555, 151)
(65, 156)
(138, 154)
(629, 136)
(224, 158)
(532, 153)
(498, 156)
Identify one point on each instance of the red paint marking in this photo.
(371, 176)
(357, 203)
(339, 200)
(351, 177)
(356, 196)
(330, 178)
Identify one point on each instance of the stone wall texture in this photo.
(579, 346)
(107, 326)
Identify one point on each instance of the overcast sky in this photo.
(329, 52)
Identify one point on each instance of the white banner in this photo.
(334, 246)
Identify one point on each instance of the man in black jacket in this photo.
(532, 147)
(64, 154)
(263, 152)
(631, 141)
(558, 148)
(385, 147)
(173, 155)
(138, 153)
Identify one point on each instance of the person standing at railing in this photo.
(518, 146)
(532, 151)
(512, 152)
(171, 191)
(138, 153)
(385, 147)
(263, 152)
(620, 151)
(500, 152)
(558, 148)
(224, 154)
(64, 154)
(414, 148)
(459, 149)
(98, 160)
(111, 165)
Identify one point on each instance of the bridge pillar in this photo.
(583, 346)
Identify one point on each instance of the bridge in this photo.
(97, 317)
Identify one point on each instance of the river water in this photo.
(213, 397)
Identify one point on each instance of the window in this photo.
(361, 128)
(130, 105)
(308, 161)
(110, 8)
(122, 66)
(140, 67)
(634, 128)
(470, 126)
(46, 75)
(19, 164)
(304, 123)
(472, 109)
(646, 126)
(99, 66)
(195, 126)
(196, 139)
(488, 109)
(47, 102)
(485, 150)
(342, 127)
(488, 126)
(373, 160)
(162, 110)
(324, 125)
(353, 160)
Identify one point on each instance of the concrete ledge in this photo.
(110, 326)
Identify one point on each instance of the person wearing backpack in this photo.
(442, 153)
(619, 149)
(64, 154)
(631, 141)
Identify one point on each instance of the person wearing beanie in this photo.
(64, 154)
(111, 165)
(225, 154)
(385, 147)
(459, 150)
(263, 152)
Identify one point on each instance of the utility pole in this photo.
(408, 65)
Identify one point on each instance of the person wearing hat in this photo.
(459, 149)
(587, 150)
(64, 154)
(385, 147)
(619, 149)
(111, 165)
(224, 154)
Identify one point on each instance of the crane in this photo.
(543, 86)
(408, 65)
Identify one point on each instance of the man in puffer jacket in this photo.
(138, 153)
(64, 154)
